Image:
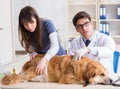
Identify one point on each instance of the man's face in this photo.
(84, 27)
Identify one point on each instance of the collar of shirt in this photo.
(89, 38)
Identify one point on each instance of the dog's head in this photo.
(95, 73)
(10, 79)
(88, 71)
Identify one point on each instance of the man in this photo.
(91, 43)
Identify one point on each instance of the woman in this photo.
(38, 36)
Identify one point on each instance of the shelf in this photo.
(70, 21)
(77, 4)
(82, 1)
(109, 19)
(110, 3)
(117, 36)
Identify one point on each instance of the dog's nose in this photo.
(111, 81)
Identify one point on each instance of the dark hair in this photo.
(26, 15)
(80, 15)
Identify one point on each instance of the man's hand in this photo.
(79, 53)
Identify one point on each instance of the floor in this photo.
(18, 63)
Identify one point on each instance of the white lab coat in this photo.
(104, 46)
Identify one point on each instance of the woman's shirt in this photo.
(50, 41)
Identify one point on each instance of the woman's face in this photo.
(30, 26)
(84, 27)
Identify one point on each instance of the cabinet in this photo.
(5, 45)
(6, 52)
(93, 8)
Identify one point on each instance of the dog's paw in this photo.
(40, 78)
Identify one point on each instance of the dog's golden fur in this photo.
(64, 70)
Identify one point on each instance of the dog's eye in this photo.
(93, 75)
(102, 74)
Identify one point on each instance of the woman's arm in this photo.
(54, 46)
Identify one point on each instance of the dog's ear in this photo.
(89, 73)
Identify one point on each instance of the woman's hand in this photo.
(40, 69)
(33, 55)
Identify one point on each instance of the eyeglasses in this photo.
(80, 26)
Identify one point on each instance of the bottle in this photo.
(101, 27)
(107, 29)
(118, 12)
(104, 28)
(14, 71)
(102, 12)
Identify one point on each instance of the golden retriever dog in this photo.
(64, 70)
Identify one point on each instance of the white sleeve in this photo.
(54, 46)
(74, 46)
(108, 48)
